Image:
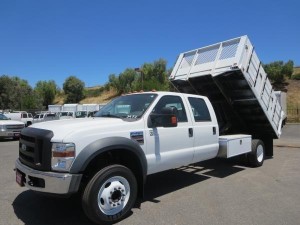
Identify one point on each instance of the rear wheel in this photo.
(110, 194)
(257, 155)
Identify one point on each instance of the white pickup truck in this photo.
(10, 128)
(108, 157)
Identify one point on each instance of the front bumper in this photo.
(49, 182)
(7, 134)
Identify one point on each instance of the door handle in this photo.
(214, 131)
(191, 132)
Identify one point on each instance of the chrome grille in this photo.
(15, 127)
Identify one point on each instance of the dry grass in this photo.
(105, 97)
(59, 100)
(293, 93)
(93, 88)
(293, 101)
(296, 70)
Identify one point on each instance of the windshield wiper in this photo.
(111, 115)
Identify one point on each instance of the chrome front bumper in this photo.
(8, 134)
(52, 182)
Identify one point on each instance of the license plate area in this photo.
(20, 178)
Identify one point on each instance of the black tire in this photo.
(257, 156)
(110, 194)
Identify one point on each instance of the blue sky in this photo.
(53, 39)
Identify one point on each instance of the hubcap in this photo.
(113, 195)
(260, 153)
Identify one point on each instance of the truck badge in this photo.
(137, 136)
(23, 147)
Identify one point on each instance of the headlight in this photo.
(63, 155)
(2, 128)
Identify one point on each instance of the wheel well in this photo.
(117, 156)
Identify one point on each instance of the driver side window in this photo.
(172, 101)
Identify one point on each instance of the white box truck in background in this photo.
(75, 110)
(54, 108)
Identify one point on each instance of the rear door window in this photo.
(200, 110)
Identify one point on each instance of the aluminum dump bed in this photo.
(230, 74)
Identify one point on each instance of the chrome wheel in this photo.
(113, 195)
(260, 153)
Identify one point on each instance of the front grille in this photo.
(35, 148)
(15, 127)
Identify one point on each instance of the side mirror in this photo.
(167, 118)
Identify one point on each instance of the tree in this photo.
(7, 94)
(150, 76)
(47, 91)
(73, 88)
(155, 75)
(17, 94)
(125, 82)
(288, 68)
(278, 70)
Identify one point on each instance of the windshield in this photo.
(128, 106)
(81, 114)
(2, 117)
(66, 114)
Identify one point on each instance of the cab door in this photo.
(206, 132)
(170, 147)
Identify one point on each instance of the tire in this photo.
(110, 194)
(257, 156)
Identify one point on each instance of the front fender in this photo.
(106, 144)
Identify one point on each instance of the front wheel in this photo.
(110, 194)
(257, 155)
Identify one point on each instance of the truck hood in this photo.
(63, 128)
(10, 122)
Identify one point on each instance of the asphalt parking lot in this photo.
(212, 192)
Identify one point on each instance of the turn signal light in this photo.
(63, 154)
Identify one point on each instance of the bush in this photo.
(296, 76)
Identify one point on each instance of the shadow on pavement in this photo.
(172, 180)
(36, 209)
(8, 139)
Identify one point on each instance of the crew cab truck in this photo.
(108, 157)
